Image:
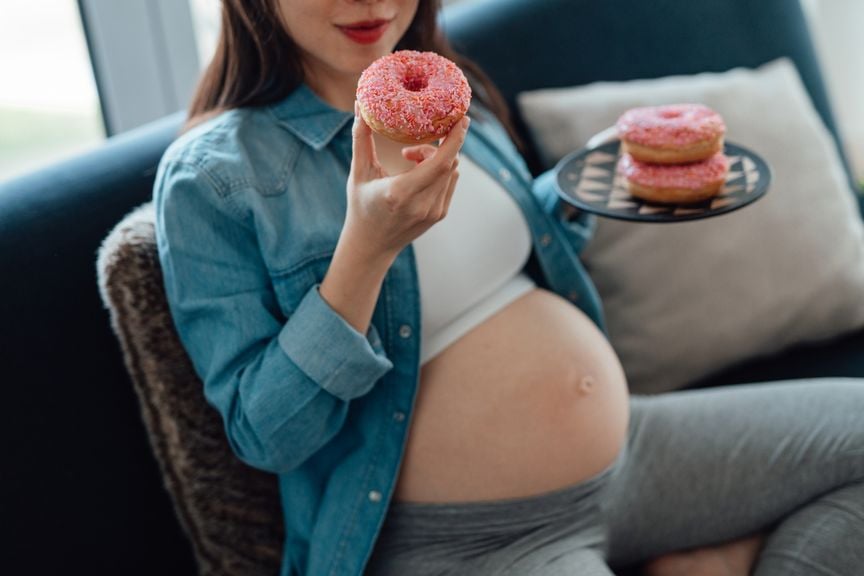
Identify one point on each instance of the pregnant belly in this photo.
(531, 400)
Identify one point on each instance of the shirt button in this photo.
(545, 240)
(504, 174)
(399, 416)
(405, 331)
(374, 496)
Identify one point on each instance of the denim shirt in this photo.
(249, 209)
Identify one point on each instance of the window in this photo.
(206, 19)
(836, 27)
(49, 107)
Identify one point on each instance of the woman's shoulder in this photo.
(243, 147)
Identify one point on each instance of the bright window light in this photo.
(49, 107)
(206, 19)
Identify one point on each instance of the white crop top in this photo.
(470, 263)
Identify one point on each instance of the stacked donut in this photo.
(672, 154)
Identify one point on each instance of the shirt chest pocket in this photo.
(292, 284)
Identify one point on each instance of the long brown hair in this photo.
(256, 62)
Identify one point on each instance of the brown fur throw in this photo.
(230, 511)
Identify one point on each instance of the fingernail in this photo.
(466, 122)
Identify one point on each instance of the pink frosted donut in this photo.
(671, 134)
(674, 184)
(413, 97)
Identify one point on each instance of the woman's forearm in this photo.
(353, 281)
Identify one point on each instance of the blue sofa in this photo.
(80, 491)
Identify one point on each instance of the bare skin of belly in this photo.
(531, 400)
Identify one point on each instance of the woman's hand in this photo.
(386, 213)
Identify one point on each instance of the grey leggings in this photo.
(699, 468)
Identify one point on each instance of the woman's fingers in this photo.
(364, 160)
(441, 163)
(447, 196)
(439, 179)
(418, 153)
(422, 193)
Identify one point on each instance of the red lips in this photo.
(366, 32)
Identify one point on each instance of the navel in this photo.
(586, 384)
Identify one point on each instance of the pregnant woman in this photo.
(404, 334)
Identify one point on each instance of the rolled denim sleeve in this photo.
(579, 229)
(282, 386)
(347, 375)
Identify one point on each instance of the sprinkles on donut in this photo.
(413, 97)
(672, 154)
(674, 183)
(672, 134)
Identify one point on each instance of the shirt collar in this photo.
(311, 119)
